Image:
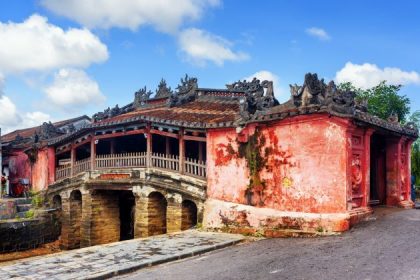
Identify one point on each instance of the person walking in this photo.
(413, 188)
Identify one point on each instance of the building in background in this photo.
(25, 150)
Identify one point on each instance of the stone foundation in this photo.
(22, 235)
(105, 225)
(359, 214)
(246, 219)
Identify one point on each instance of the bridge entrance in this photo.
(127, 206)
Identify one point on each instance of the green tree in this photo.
(383, 100)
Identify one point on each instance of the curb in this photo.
(136, 267)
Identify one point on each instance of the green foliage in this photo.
(251, 151)
(383, 100)
(37, 200)
(29, 214)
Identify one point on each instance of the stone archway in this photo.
(189, 214)
(57, 205)
(156, 212)
(75, 219)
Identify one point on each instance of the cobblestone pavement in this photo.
(98, 262)
(384, 247)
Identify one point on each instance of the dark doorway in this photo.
(127, 210)
(377, 170)
(189, 215)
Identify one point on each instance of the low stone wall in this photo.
(7, 209)
(19, 235)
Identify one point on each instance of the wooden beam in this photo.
(194, 138)
(164, 133)
(120, 134)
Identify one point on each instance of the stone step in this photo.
(21, 214)
(23, 207)
(20, 201)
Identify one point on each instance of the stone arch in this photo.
(57, 202)
(189, 214)
(156, 210)
(75, 219)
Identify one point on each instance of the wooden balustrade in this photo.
(121, 160)
(195, 167)
(62, 172)
(164, 161)
(192, 167)
(81, 166)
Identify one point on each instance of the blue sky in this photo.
(63, 58)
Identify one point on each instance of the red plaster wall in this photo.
(306, 172)
(19, 167)
(40, 171)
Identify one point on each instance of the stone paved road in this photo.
(385, 248)
(103, 261)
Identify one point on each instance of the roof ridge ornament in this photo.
(259, 96)
(163, 90)
(314, 91)
(141, 97)
(185, 92)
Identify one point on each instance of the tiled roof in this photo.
(198, 111)
(31, 131)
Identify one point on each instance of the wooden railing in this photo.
(169, 162)
(195, 167)
(192, 167)
(81, 166)
(62, 172)
(121, 160)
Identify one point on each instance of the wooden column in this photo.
(168, 146)
(149, 146)
(181, 150)
(393, 162)
(92, 153)
(112, 146)
(200, 151)
(409, 143)
(72, 160)
(366, 166)
(51, 165)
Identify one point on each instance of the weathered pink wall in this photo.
(305, 171)
(19, 167)
(40, 171)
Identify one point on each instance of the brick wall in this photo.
(156, 208)
(23, 235)
(105, 225)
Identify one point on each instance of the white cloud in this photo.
(1, 84)
(319, 33)
(368, 75)
(37, 45)
(269, 76)
(35, 118)
(73, 87)
(164, 15)
(11, 119)
(200, 46)
(9, 116)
